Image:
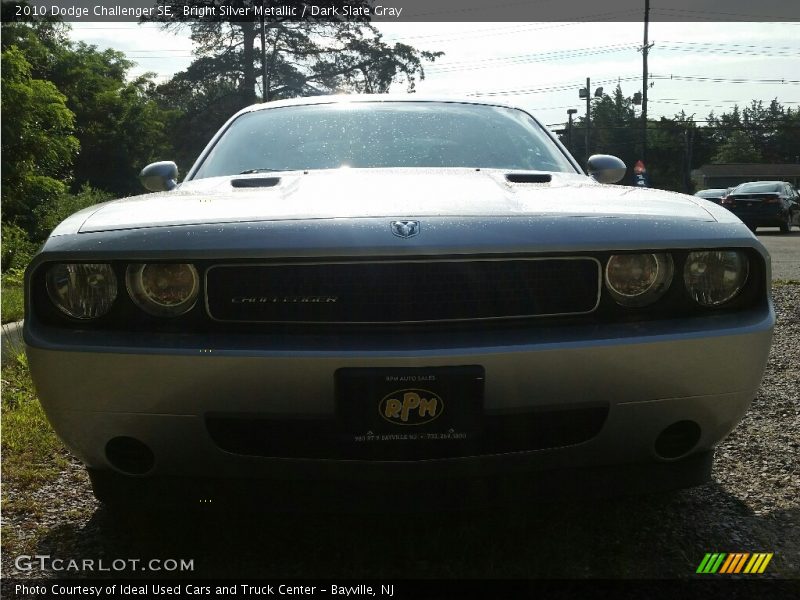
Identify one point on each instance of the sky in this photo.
(541, 66)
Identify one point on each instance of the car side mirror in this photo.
(605, 168)
(160, 176)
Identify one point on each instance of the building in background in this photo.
(732, 174)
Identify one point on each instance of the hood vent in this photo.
(529, 177)
(255, 182)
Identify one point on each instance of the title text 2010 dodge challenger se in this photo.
(347, 290)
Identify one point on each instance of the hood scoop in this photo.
(529, 177)
(255, 182)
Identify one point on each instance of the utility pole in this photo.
(570, 112)
(264, 97)
(689, 147)
(688, 136)
(645, 49)
(588, 117)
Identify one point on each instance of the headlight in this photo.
(714, 277)
(638, 279)
(163, 290)
(83, 291)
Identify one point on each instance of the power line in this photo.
(782, 81)
(570, 86)
(490, 32)
(694, 103)
(553, 88)
(527, 58)
(557, 55)
(730, 45)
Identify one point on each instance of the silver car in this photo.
(349, 292)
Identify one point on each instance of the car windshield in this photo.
(383, 134)
(758, 188)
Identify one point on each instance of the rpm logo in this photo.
(411, 407)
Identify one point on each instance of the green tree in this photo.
(53, 210)
(614, 130)
(38, 145)
(670, 152)
(756, 133)
(301, 58)
(738, 147)
(119, 125)
(786, 140)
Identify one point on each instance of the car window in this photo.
(390, 134)
(758, 188)
(710, 193)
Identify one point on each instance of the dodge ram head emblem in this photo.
(405, 229)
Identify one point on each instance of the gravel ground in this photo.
(752, 505)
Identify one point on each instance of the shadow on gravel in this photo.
(641, 537)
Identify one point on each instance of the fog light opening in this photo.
(129, 455)
(678, 439)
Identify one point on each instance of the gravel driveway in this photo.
(784, 248)
(752, 505)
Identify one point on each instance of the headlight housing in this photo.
(82, 290)
(638, 279)
(713, 277)
(163, 290)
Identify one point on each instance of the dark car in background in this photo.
(765, 204)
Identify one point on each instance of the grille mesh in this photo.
(397, 292)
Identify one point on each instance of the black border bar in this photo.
(400, 10)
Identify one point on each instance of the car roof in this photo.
(761, 182)
(345, 98)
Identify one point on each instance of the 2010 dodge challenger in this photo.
(353, 290)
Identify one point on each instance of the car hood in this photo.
(398, 193)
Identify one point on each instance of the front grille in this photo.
(402, 292)
(324, 438)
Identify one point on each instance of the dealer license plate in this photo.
(410, 406)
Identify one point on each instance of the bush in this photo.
(17, 248)
(53, 210)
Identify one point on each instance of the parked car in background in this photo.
(352, 290)
(765, 204)
(715, 195)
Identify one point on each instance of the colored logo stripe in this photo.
(741, 562)
(758, 563)
(711, 563)
(728, 563)
(734, 563)
(720, 562)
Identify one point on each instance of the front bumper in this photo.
(159, 390)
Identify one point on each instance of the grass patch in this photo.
(782, 282)
(32, 454)
(12, 306)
